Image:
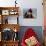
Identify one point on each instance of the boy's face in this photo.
(29, 13)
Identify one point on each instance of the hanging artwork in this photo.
(5, 12)
(29, 13)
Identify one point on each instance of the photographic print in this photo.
(30, 13)
(5, 12)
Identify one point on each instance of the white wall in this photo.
(32, 4)
(27, 4)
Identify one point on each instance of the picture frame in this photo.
(13, 12)
(28, 11)
(5, 12)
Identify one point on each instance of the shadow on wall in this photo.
(37, 29)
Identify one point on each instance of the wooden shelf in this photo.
(11, 26)
(5, 8)
(5, 25)
(7, 13)
(9, 43)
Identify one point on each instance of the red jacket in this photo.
(29, 33)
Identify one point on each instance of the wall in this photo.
(27, 4)
(33, 4)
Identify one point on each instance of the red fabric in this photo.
(29, 33)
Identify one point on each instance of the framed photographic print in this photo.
(5, 12)
(30, 13)
(13, 12)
